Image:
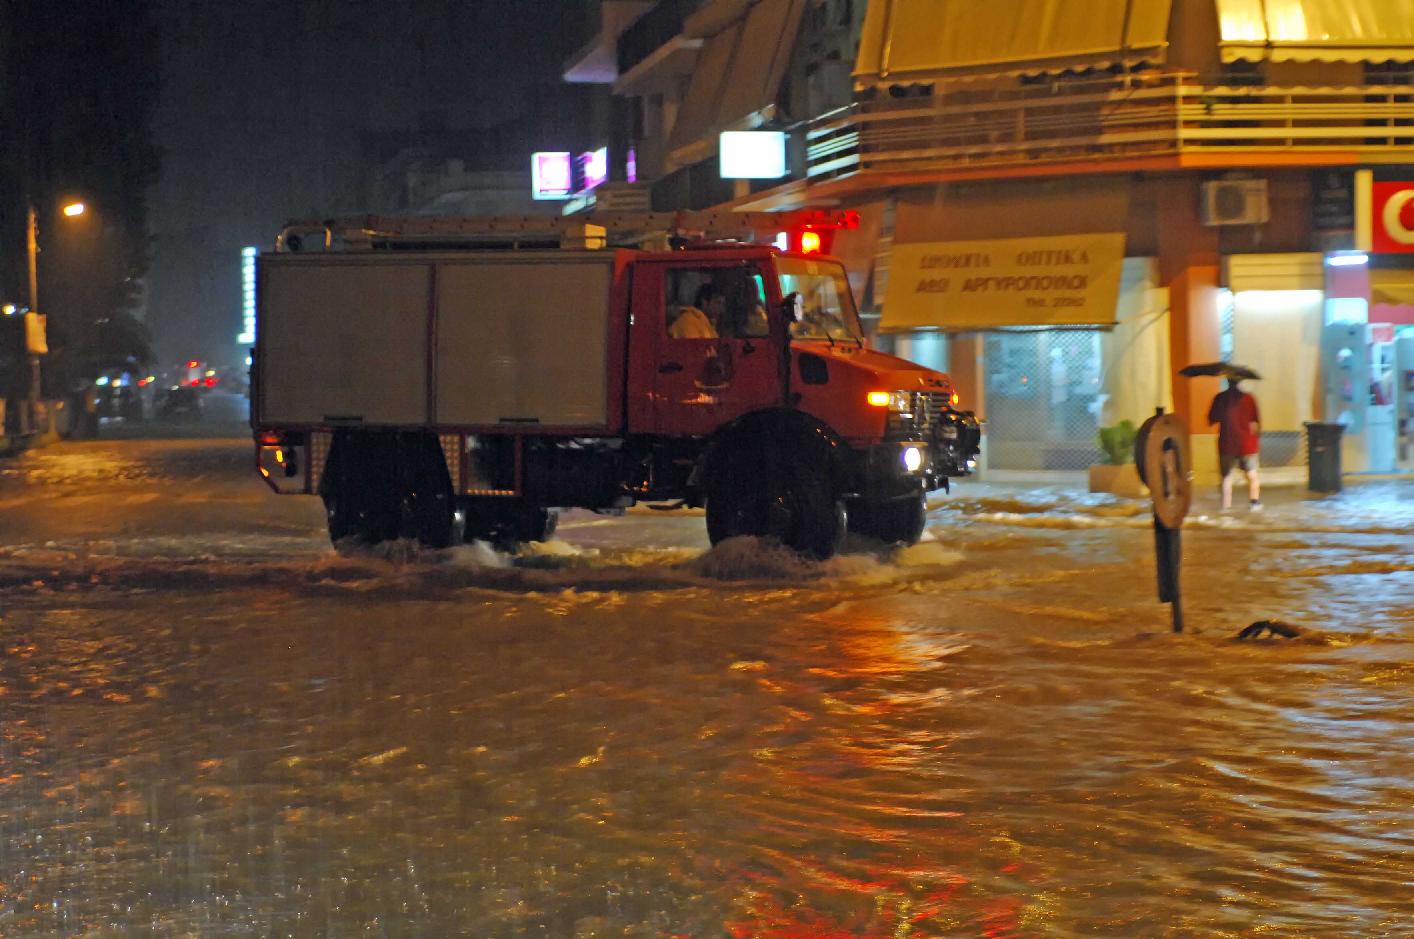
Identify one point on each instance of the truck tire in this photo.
(895, 521)
(507, 523)
(359, 488)
(426, 512)
(383, 486)
(778, 497)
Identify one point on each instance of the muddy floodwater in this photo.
(211, 724)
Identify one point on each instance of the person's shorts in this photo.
(1228, 461)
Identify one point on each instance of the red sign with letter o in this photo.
(1392, 217)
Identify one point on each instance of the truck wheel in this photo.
(538, 523)
(781, 498)
(353, 512)
(426, 510)
(358, 486)
(896, 521)
(507, 523)
(380, 487)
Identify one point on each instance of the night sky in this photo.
(264, 105)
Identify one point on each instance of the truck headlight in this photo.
(900, 402)
(912, 459)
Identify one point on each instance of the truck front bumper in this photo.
(925, 459)
(895, 468)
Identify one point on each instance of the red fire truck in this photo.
(457, 379)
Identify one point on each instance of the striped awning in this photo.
(738, 75)
(1316, 30)
(914, 41)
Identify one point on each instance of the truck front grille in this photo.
(927, 407)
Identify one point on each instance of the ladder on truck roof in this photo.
(597, 230)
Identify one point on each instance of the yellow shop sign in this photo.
(1058, 280)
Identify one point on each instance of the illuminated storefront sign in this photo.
(1392, 217)
(1054, 280)
(1384, 214)
(247, 336)
(756, 154)
(551, 175)
(594, 168)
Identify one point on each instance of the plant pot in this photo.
(1120, 479)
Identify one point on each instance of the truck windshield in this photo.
(818, 301)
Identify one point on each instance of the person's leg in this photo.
(1225, 467)
(1254, 481)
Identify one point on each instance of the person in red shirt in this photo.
(1239, 439)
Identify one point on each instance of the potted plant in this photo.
(1118, 473)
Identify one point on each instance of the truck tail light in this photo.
(281, 461)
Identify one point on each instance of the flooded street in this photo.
(212, 724)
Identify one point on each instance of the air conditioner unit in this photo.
(1235, 202)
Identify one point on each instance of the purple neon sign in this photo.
(551, 175)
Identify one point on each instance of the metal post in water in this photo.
(1161, 456)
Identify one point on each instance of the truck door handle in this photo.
(670, 367)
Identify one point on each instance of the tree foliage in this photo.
(77, 100)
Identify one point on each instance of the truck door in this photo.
(715, 352)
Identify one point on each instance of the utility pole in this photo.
(32, 249)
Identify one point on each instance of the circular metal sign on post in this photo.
(1162, 458)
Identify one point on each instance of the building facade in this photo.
(1064, 202)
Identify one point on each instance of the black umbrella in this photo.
(1221, 370)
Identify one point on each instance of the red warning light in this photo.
(211, 382)
(193, 363)
(810, 242)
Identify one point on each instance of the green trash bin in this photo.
(1323, 456)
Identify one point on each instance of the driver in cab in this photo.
(700, 320)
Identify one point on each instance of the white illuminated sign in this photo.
(754, 154)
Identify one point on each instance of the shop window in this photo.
(1044, 397)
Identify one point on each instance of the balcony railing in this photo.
(1120, 118)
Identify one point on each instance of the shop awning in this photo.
(1317, 30)
(737, 77)
(910, 41)
(1303, 270)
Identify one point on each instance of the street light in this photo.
(71, 210)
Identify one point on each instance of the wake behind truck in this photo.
(456, 379)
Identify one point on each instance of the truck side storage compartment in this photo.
(522, 339)
(510, 339)
(393, 350)
(343, 339)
